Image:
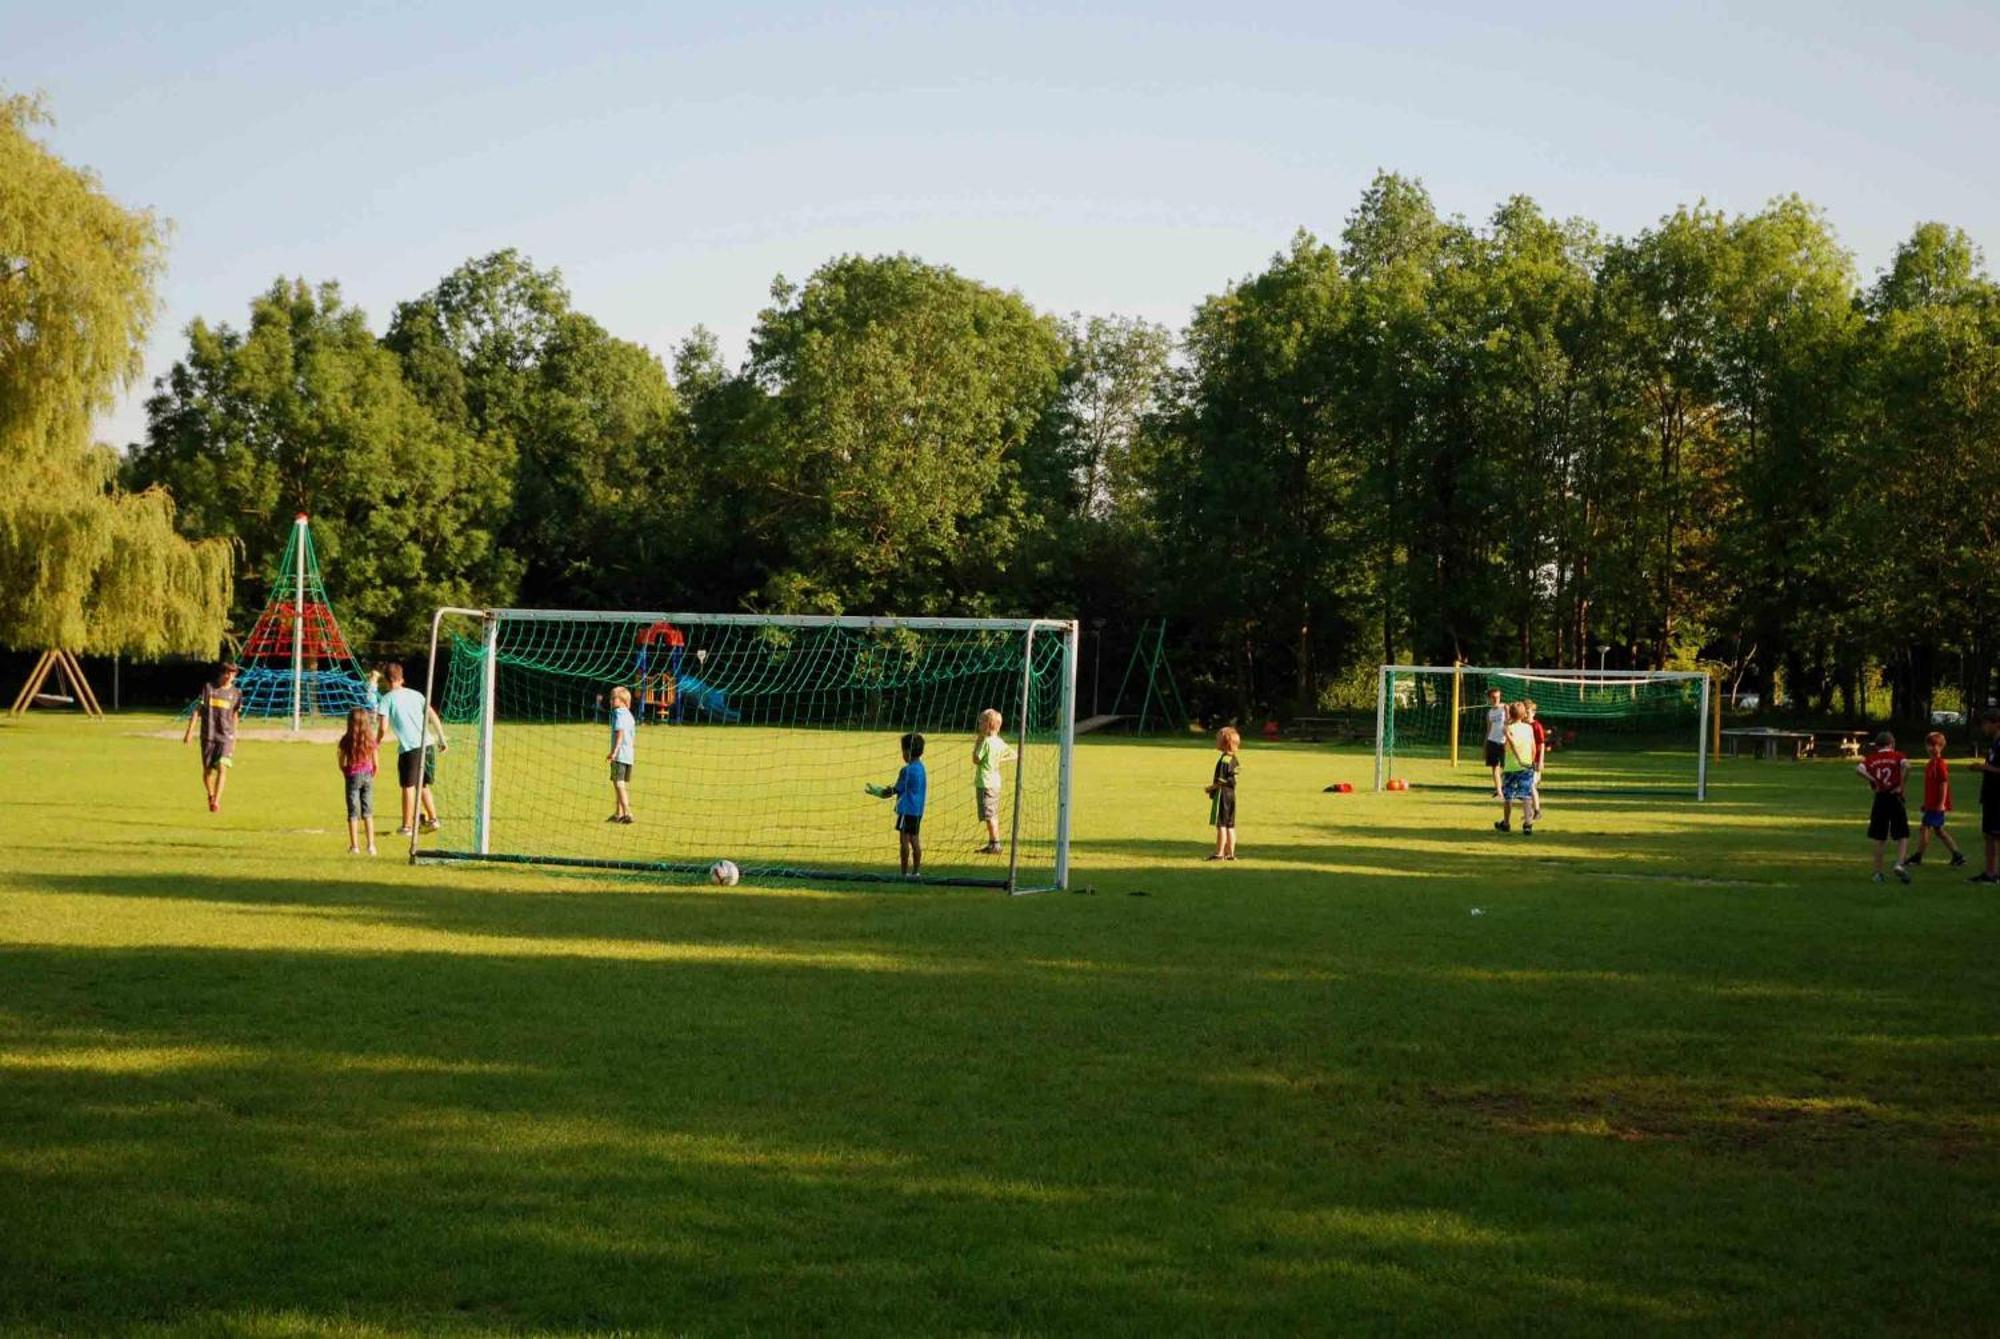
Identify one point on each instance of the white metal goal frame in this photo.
(1704, 735)
(490, 621)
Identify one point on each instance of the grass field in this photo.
(1686, 1070)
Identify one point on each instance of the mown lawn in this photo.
(1687, 1069)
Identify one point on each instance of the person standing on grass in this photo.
(217, 711)
(434, 744)
(1541, 757)
(989, 750)
(356, 755)
(1937, 803)
(1885, 770)
(402, 710)
(1496, 737)
(909, 792)
(1222, 792)
(623, 732)
(1989, 795)
(1517, 772)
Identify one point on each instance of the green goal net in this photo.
(1613, 732)
(755, 740)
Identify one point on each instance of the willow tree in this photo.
(83, 566)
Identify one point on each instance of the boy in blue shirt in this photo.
(623, 727)
(909, 791)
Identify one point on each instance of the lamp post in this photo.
(1603, 650)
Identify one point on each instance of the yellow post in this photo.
(1457, 701)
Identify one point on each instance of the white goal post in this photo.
(1637, 730)
(755, 740)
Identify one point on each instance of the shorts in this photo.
(361, 796)
(215, 757)
(912, 824)
(1889, 820)
(621, 771)
(1934, 818)
(1989, 819)
(1496, 753)
(430, 764)
(1222, 808)
(410, 768)
(1517, 785)
(986, 803)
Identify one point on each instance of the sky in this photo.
(672, 160)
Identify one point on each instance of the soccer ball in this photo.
(725, 873)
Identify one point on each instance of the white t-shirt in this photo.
(1496, 725)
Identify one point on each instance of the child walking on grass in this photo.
(356, 754)
(989, 750)
(216, 711)
(909, 792)
(1222, 792)
(1885, 770)
(623, 728)
(1937, 803)
(1517, 771)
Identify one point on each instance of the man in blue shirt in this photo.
(402, 710)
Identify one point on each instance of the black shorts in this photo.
(1989, 818)
(1222, 807)
(1495, 753)
(430, 764)
(910, 823)
(1889, 820)
(410, 768)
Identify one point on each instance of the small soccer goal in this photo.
(1609, 732)
(755, 741)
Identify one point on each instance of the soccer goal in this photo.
(1632, 731)
(755, 738)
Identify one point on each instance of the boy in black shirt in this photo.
(1989, 795)
(217, 710)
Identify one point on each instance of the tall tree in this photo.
(83, 565)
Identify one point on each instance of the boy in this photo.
(1541, 757)
(1885, 770)
(218, 709)
(402, 709)
(912, 785)
(1937, 803)
(1222, 792)
(1517, 772)
(988, 752)
(1496, 736)
(1989, 795)
(623, 728)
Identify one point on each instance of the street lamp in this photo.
(1603, 650)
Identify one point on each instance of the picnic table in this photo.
(1767, 742)
(1851, 743)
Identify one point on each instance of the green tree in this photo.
(305, 411)
(83, 565)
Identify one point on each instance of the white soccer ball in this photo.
(725, 873)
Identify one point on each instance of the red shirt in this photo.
(1541, 742)
(1937, 786)
(1885, 770)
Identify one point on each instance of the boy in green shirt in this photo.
(988, 752)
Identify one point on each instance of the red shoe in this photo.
(214, 805)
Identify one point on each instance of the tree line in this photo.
(1513, 441)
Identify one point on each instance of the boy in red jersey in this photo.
(1541, 757)
(1885, 771)
(1937, 803)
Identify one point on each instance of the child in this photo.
(1937, 803)
(1222, 793)
(402, 709)
(1541, 758)
(1989, 795)
(218, 709)
(1496, 736)
(1517, 772)
(988, 752)
(912, 785)
(1885, 770)
(356, 753)
(620, 757)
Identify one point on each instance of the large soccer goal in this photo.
(755, 739)
(1632, 731)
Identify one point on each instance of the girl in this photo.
(1222, 793)
(357, 763)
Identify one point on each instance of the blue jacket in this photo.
(911, 783)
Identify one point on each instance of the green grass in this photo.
(1688, 1070)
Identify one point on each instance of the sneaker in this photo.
(402, 832)
(428, 825)
(1903, 873)
(1958, 860)
(990, 850)
(624, 818)
(1211, 857)
(371, 850)
(1982, 878)
(613, 819)
(1502, 825)
(214, 804)
(1916, 859)
(1527, 829)
(1878, 878)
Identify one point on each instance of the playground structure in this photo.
(1160, 704)
(665, 693)
(296, 662)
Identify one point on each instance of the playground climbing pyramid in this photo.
(295, 661)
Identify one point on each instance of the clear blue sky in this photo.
(671, 159)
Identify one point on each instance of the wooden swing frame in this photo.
(66, 668)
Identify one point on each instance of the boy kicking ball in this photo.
(1937, 804)
(1885, 770)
